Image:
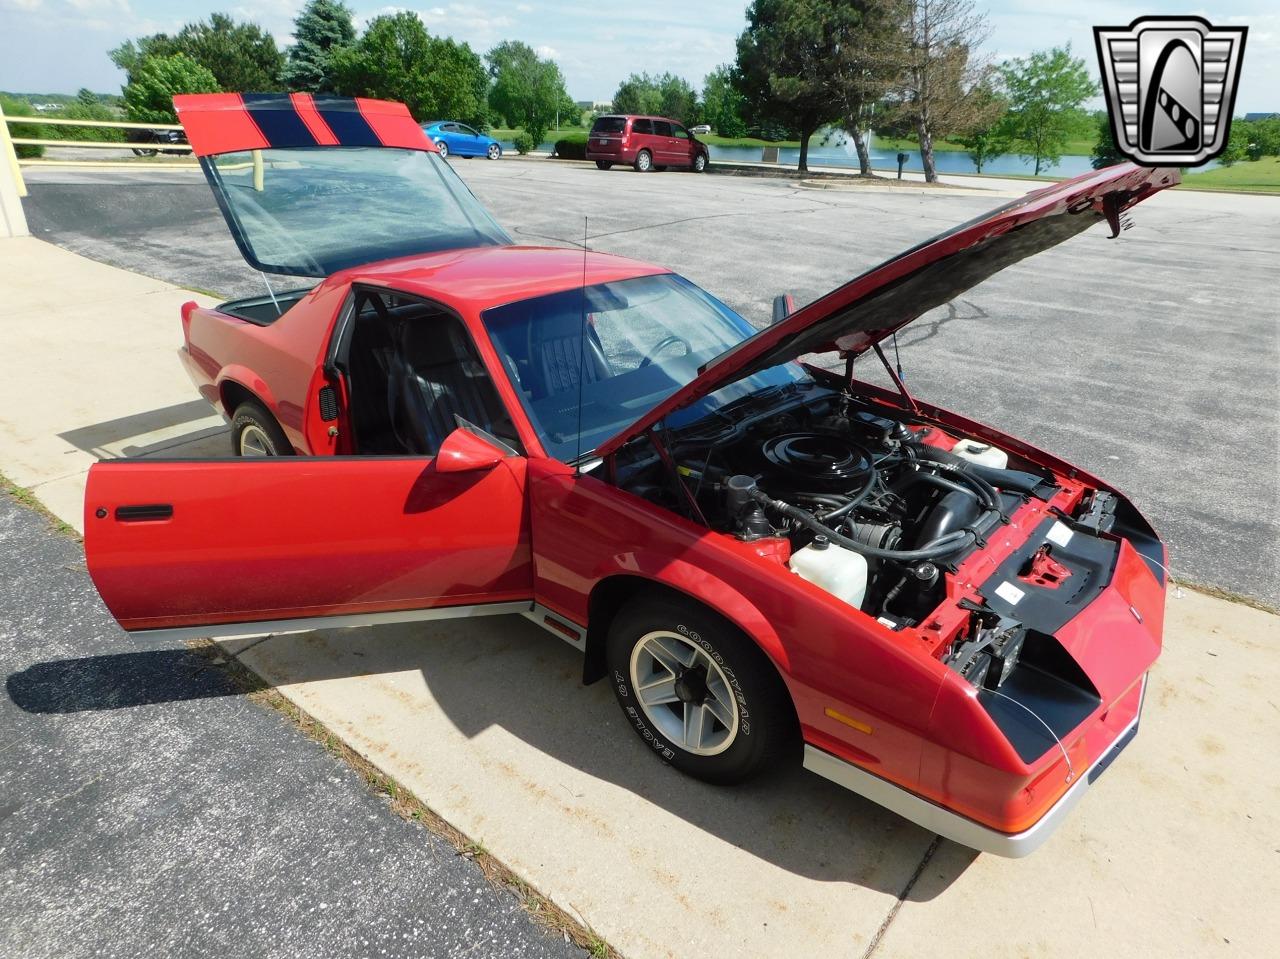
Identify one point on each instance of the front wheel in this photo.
(442, 147)
(144, 152)
(494, 152)
(644, 161)
(697, 691)
(255, 432)
(603, 165)
(699, 163)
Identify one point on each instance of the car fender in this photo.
(709, 590)
(246, 379)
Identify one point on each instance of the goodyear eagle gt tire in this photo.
(696, 690)
(255, 432)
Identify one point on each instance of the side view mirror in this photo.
(464, 452)
(783, 306)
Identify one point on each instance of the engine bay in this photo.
(867, 502)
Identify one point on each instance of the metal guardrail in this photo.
(9, 143)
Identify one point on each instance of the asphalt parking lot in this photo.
(147, 808)
(486, 724)
(1152, 360)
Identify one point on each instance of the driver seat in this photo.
(434, 379)
(554, 358)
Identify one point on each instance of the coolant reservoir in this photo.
(981, 453)
(841, 572)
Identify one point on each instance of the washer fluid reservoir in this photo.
(841, 572)
(981, 453)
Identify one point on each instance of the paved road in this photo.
(148, 809)
(1153, 360)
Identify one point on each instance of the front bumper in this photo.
(951, 825)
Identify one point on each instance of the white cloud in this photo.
(547, 53)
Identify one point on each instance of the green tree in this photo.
(677, 99)
(86, 97)
(935, 93)
(1045, 91)
(241, 56)
(780, 73)
(990, 137)
(322, 27)
(527, 92)
(27, 131)
(722, 104)
(148, 97)
(1105, 151)
(130, 54)
(862, 46)
(638, 93)
(396, 59)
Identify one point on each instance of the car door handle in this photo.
(144, 511)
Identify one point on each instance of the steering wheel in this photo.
(661, 345)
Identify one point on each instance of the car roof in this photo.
(479, 278)
(637, 116)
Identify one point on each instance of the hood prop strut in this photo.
(908, 401)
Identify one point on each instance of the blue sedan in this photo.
(458, 139)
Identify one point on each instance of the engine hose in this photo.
(986, 492)
(856, 500)
(933, 479)
(948, 544)
(933, 453)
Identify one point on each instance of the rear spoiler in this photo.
(234, 122)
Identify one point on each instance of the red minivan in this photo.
(647, 143)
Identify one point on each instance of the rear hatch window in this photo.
(312, 185)
(312, 212)
(608, 125)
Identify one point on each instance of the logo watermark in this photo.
(1170, 84)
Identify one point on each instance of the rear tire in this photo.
(701, 694)
(644, 161)
(603, 165)
(255, 432)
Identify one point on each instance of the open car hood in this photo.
(311, 185)
(856, 316)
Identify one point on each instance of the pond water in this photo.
(946, 162)
(886, 161)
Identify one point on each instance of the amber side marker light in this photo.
(561, 628)
(848, 721)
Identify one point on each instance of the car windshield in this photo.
(313, 211)
(644, 339)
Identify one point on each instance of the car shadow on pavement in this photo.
(155, 432)
(120, 681)
(505, 672)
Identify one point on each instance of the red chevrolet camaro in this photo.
(766, 560)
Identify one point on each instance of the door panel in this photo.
(681, 146)
(248, 541)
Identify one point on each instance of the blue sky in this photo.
(58, 46)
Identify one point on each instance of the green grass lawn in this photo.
(1253, 175)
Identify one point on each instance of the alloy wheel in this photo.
(254, 442)
(684, 693)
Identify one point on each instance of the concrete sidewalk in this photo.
(1172, 853)
(90, 371)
